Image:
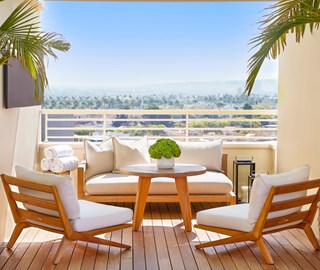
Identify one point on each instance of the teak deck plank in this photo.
(291, 249)
(126, 256)
(21, 249)
(210, 253)
(89, 256)
(149, 241)
(6, 253)
(302, 249)
(160, 243)
(173, 247)
(78, 255)
(31, 252)
(182, 240)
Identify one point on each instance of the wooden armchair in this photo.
(239, 229)
(84, 228)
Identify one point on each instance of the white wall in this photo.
(298, 108)
(299, 105)
(19, 134)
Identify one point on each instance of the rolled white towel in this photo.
(46, 164)
(64, 164)
(58, 151)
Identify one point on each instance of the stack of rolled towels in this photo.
(59, 159)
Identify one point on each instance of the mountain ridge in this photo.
(233, 87)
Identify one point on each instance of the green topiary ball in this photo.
(164, 148)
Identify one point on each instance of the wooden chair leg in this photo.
(264, 250)
(62, 247)
(312, 238)
(101, 241)
(15, 234)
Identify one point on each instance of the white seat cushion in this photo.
(96, 216)
(234, 217)
(117, 184)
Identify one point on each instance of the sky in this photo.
(132, 44)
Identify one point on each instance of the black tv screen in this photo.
(18, 86)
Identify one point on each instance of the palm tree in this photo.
(21, 38)
(286, 16)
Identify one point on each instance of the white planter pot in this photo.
(165, 163)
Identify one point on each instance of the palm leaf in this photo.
(21, 37)
(286, 16)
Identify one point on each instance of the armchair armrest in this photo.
(81, 178)
(224, 163)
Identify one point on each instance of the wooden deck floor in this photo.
(161, 243)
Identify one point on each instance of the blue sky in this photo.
(130, 44)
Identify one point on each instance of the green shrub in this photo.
(164, 148)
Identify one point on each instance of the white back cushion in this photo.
(207, 154)
(99, 158)
(130, 152)
(64, 185)
(261, 188)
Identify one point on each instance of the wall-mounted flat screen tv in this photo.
(18, 86)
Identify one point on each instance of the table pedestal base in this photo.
(142, 195)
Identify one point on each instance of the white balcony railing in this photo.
(231, 125)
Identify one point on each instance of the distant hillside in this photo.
(262, 87)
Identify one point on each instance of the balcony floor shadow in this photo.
(160, 243)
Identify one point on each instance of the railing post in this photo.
(187, 127)
(104, 124)
(45, 127)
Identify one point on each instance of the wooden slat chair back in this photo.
(264, 225)
(25, 218)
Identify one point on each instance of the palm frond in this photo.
(21, 37)
(286, 16)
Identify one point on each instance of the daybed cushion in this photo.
(99, 157)
(117, 184)
(130, 152)
(261, 188)
(207, 154)
(64, 185)
(96, 216)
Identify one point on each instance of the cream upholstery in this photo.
(130, 152)
(99, 158)
(208, 183)
(207, 154)
(106, 186)
(233, 217)
(64, 185)
(262, 185)
(96, 216)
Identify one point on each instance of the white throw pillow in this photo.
(207, 154)
(261, 188)
(64, 185)
(130, 153)
(99, 158)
